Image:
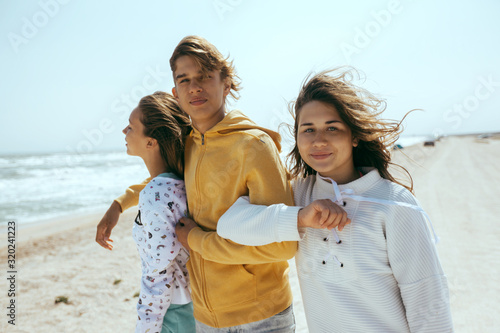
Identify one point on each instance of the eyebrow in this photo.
(180, 76)
(327, 122)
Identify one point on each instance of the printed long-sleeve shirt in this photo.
(164, 280)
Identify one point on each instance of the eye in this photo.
(183, 80)
(308, 130)
(331, 128)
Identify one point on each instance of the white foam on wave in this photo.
(39, 187)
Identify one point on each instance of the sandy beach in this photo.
(455, 181)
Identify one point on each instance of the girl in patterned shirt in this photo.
(156, 132)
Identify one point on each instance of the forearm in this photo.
(427, 305)
(415, 264)
(258, 225)
(212, 247)
(154, 301)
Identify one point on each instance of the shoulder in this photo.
(256, 147)
(302, 188)
(255, 137)
(160, 185)
(399, 193)
(301, 184)
(385, 189)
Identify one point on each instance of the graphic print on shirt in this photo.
(163, 259)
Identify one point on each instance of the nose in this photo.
(194, 86)
(124, 131)
(319, 139)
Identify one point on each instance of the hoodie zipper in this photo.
(202, 261)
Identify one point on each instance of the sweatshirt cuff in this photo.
(195, 238)
(125, 201)
(287, 224)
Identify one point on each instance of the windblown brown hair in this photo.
(360, 111)
(208, 58)
(164, 121)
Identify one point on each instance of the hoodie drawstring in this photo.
(349, 193)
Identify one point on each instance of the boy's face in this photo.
(201, 98)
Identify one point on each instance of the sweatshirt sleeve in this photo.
(162, 207)
(267, 183)
(415, 264)
(131, 196)
(256, 225)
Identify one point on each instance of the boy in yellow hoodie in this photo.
(234, 287)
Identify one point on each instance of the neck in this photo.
(155, 165)
(205, 124)
(344, 178)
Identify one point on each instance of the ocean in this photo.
(41, 187)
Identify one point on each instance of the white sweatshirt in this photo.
(384, 276)
(165, 279)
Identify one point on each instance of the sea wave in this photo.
(38, 187)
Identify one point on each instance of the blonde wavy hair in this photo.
(208, 58)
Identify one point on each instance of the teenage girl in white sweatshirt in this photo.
(381, 271)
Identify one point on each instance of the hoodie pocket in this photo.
(228, 285)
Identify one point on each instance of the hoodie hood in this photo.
(236, 121)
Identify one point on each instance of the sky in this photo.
(72, 71)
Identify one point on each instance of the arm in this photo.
(249, 224)
(158, 250)
(131, 196)
(110, 218)
(416, 267)
(256, 225)
(108, 222)
(267, 183)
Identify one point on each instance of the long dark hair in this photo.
(359, 110)
(164, 121)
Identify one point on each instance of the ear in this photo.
(174, 92)
(227, 86)
(152, 143)
(355, 142)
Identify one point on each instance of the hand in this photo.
(182, 230)
(108, 222)
(321, 214)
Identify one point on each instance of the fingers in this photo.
(186, 221)
(345, 221)
(104, 242)
(330, 215)
(102, 237)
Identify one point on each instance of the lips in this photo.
(197, 101)
(320, 156)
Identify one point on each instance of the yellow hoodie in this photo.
(233, 284)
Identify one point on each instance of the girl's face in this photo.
(137, 142)
(325, 142)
